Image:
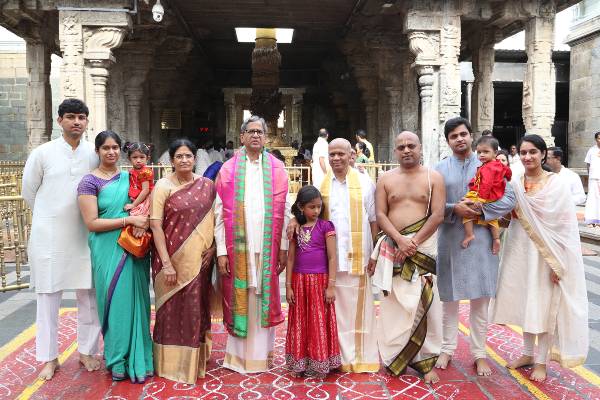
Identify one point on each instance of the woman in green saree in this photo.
(121, 280)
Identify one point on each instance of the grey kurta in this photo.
(470, 273)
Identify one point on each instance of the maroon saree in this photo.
(181, 336)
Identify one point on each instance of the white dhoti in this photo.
(88, 326)
(355, 316)
(254, 352)
(402, 310)
(592, 204)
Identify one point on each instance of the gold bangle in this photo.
(331, 280)
(123, 222)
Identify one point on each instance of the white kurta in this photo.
(215, 156)
(320, 149)
(59, 255)
(202, 161)
(573, 181)
(592, 205)
(253, 353)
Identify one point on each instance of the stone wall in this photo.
(13, 113)
(584, 99)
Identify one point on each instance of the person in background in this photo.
(361, 136)
(592, 205)
(502, 156)
(320, 166)
(573, 180)
(229, 150)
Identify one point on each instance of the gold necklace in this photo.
(179, 182)
(109, 175)
(305, 235)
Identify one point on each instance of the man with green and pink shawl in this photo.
(251, 211)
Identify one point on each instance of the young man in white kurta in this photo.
(320, 154)
(592, 205)
(59, 255)
(354, 306)
(254, 352)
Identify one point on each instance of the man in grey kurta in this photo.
(471, 273)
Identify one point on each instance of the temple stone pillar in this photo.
(156, 134)
(481, 96)
(449, 78)
(297, 101)
(371, 112)
(540, 76)
(86, 42)
(469, 100)
(99, 58)
(395, 125)
(410, 99)
(39, 96)
(232, 131)
(133, 99)
(425, 46)
(72, 70)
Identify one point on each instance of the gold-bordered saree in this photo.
(182, 341)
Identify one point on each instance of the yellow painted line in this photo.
(37, 384)
(583, 372)
(524, 381)
(24, 337)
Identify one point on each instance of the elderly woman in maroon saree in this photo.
(182, 222)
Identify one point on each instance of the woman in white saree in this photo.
(541, 285)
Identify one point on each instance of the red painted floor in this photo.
(18, 372)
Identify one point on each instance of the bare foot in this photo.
(48, 371)
(483, 368)
(467, 240)
(495, 246)
(539, 373)
(443, 360)
(520, 362)
(431, 377)
(89, 362)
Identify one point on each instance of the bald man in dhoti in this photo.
(410, 201)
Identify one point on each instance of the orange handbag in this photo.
(138, 247)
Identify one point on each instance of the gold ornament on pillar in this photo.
(266, 97)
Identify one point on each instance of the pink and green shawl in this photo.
(231, 189)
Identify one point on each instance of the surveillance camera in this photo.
(158, 11)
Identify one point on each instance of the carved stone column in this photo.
(99, 58)
(540, 76)
(425, 47)
(156, 134)
(72, 75)
(482, 92)
(39, 96)
(133, 98)
(395, 127)
(297, 102)
(232, 131)
(449, 80)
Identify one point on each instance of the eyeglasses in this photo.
(183, 156)
(253, 132)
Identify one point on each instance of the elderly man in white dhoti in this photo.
(410, 204)
(251, 213)
(349, 202)
(59, 255)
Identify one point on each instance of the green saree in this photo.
(121, 282)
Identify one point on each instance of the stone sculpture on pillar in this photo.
(540, 76)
